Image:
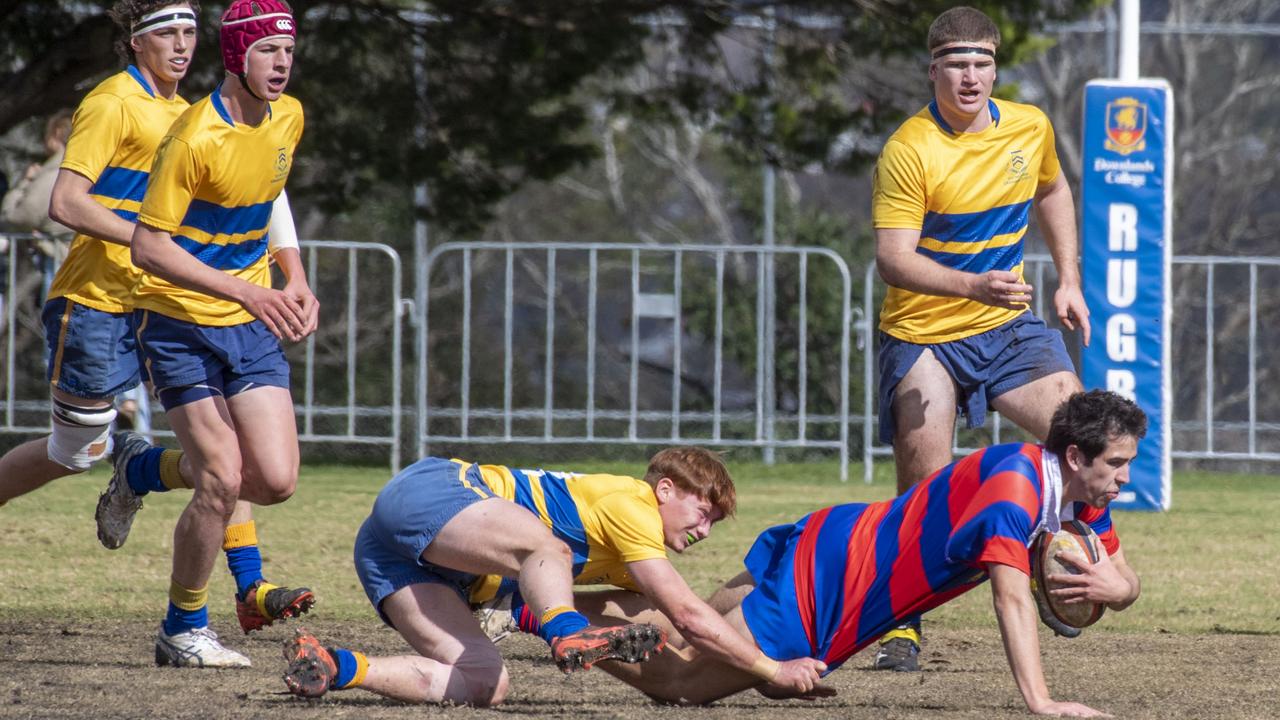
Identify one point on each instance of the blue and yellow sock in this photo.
(155, 470)
(244, 559)
(188, 609)
(560, 620)
(352, 667)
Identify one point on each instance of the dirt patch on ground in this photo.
(68, 670)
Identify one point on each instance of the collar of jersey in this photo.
(937, 115)
(137, 75)
(222, 109)
(1051, 514)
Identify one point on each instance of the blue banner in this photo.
(1126, 249)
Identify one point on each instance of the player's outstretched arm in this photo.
(709, 633)
(1016, 615)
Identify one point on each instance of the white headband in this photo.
(177, 15)
(266, 16)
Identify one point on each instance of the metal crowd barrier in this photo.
(611, 288)
(632, 303)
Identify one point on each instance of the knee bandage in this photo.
(81, 434)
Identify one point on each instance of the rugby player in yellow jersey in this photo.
(953, 191)
(87, 318)
(446, 536)
(207, 321)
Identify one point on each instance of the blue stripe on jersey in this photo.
(566, 523)
(771, 610)
(999, 519)
(130, 215)
(120, 183)
(234, 256)
(935, 528)
(877, 610)
(998, 258)
(524, 493)
(217, 220)
(976, 226)
(829, 570)
(994, 454)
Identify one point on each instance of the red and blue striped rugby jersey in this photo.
(845, 575)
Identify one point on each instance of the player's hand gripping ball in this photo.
(1066, 619)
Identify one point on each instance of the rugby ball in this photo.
(1075, 536)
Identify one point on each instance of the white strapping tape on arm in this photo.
(281, 232)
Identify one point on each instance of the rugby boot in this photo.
(198, 648)
(899, 650)
(264, 603)
(118, 505)
(311, 668)
(591, 644)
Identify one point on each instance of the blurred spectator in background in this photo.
(25, 208)
(134, 408)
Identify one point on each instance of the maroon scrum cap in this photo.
(247, 22)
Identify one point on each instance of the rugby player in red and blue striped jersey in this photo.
(833, 582)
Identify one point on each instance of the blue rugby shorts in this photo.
(984, 366)
(92, 354)
(407, 515)
(189, 362)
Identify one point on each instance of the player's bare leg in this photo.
(676, 675)
(1031, 406)
(266, 433)
(209, 442)
(609, 607)
(208, 438)
(27, 467)
(732, 592)
(497, 537)
(924, 411)
(457, 662)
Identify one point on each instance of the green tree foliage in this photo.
(478, 97)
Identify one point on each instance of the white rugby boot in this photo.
(198, 648)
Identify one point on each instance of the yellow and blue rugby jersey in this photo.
(606, 520)
(114, 135)
(211, 189)
(970, 195)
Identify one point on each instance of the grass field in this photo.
(1208, 570)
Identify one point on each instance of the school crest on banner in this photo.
(1126, 125)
